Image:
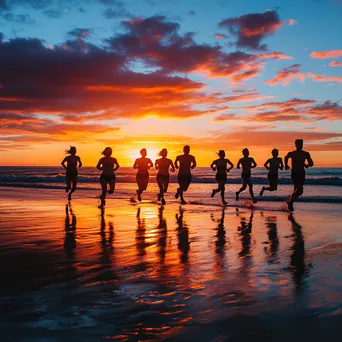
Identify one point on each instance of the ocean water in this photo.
(322, 184)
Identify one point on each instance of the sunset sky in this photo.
(214, 74)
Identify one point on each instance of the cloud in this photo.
(296, 110)
(326, 54)
(247, 97)
(314, 141)
(336, 64)
(76, 84)
(54, 13)
(72, 80)
(328, 110)
(80, 33)
(57, 131)
(286, 76)
(285, 104)
(220, 36)
(110, 13)
(240, 78)
(224, 117)
(156, 43)
(251, 29)
(3, 5)
(274, 55)
(324, 78)
(116, 10)
(18, 18)
(36, 4)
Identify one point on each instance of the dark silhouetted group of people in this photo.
(185, 163)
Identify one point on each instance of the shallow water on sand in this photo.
(143, 272)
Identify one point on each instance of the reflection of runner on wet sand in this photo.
(162, 235)
(273, 240)
(183, 237)
(298, 266)
(143, 164)
(70, 230)
(221, 233)
(106, 243)
(245, 230)
(140, 240)
(220, 242)
(185, 163)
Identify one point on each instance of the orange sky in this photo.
(160, 82)
(204, 145)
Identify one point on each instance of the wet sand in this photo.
(142, 272)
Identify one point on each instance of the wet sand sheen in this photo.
(138, 271)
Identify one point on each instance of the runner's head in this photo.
(299, 144)
(186, 149)
(143, 152)
(71, 151)
(221, 154)
(245, 152)
(275, 153)
(107, 152)
(163, 153)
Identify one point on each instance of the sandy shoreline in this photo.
(138, 269)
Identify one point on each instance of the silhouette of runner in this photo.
(247, 164)
(184, 163)
(143, 164)
(299, 158)
(72, 162)
(220, 166)
(163, 165)
(108, 166)
(273, 165)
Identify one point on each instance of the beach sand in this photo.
(137, 271)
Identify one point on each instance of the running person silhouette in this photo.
(108, 165)
(163, 165)
(72, 162)
(143, 164)
(299, 158)
(184, 163)
(273, 165)
(247, 164)
(220, 166)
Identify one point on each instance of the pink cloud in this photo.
(326, 54)
(224, 117)
(336, 64)
(324, 78)
(220, 36)
(286, 75)
(274, 55)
